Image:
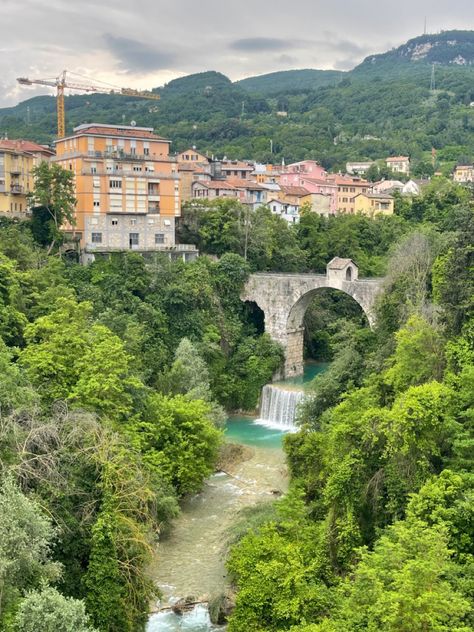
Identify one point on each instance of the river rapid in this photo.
(190, 560)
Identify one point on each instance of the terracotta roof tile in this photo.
(296, 191)
(25, 145)
(338, 263)
(123, 132)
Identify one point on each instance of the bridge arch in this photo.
(284, 299)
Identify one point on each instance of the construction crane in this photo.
(61, 82)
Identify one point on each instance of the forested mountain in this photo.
(386, 105)
(290, 80)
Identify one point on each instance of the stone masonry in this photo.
(284, 299)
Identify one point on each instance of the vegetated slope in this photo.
(384, 106)
(290, 80)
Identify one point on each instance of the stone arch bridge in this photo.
(284, 299)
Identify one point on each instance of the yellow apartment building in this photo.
(373, 204)
(17, 159)
(464, 174)
(347, 189)
(127, 188)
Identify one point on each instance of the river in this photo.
(190, 561)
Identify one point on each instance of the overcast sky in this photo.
(145, 43)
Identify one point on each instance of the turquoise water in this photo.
(244, 430)
(241, 429)
(311, 370)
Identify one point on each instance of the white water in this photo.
(197, 620)
(278, 407)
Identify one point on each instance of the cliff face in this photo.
(447, 48)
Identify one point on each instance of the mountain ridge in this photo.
(382, 107)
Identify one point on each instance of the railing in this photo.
(153, 248)
(114, 155)
(16, 189)
(153, 175)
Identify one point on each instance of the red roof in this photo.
(25, 146)
(296, 191)
(348, 181)
(118, 131)
(319, 181)
(236, 164)
(222, 184)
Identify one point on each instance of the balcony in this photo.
(152, 175)
(16, 189)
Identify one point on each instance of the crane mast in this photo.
(61, 82)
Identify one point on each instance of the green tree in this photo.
(49, 611)
(53, 201)
(419, 355)
(177, 439)
(26, 542)
(105, 596)
(401, 586)
(69, 357)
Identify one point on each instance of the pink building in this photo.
(309, 168)
(310, 175)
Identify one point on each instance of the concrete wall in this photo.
(115, 230)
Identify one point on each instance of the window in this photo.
(137, 168)
(159, 238)
(96, 238)
(115, 222)
(146, 151)
(133, 222)
(93, 169)
(115, 184)
(96, 203)
(133, 239)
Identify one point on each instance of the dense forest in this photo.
(385, 106)
(115, 382)
(377, 531)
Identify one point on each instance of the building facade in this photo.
(371, 204)
(358, 168)
(399, 164)
(347, 189)
(464, 174)
(127, 187)
(17, 160)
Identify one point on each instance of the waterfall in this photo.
(278, 407)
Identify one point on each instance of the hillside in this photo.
(447, 48)
(384, 106)
(291, 80)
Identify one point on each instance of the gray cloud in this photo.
(260, 44)
(146, 43)
(134, 55)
